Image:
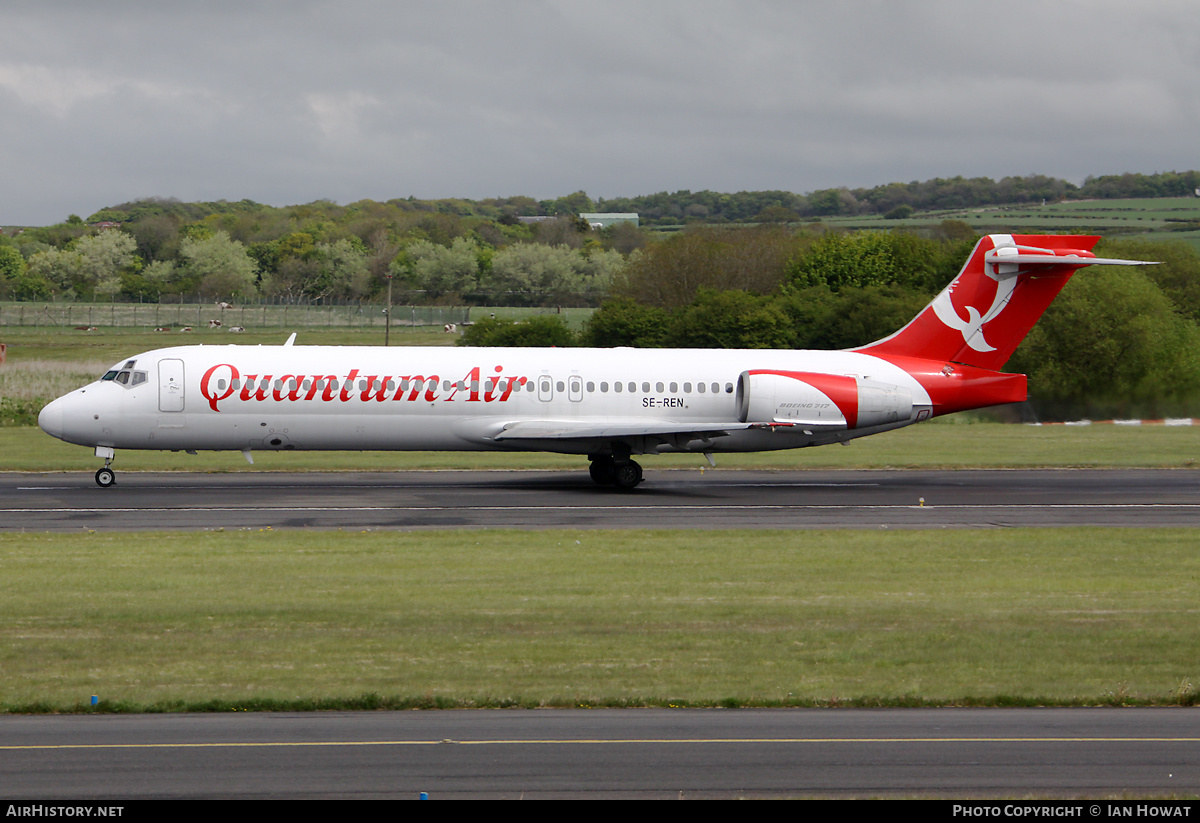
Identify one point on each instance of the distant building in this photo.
(594, 219)
(602, 220)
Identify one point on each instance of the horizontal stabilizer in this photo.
(1039, 257)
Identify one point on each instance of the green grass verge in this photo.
(262, 619)
(108, 345)
(923, 446)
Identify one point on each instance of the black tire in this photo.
(105, 477)
(627, 475)
(603, 471)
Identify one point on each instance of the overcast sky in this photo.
(289, 102)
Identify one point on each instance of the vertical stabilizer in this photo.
(986, 311)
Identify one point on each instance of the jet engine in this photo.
(823, 401)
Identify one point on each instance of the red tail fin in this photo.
(986, 311)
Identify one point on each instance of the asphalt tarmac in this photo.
(602, 754)
(681, 499)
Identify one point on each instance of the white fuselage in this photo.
(368, 398)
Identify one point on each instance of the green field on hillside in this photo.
(1166, 218)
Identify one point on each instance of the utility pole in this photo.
(387, 313)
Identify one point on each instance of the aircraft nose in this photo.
(51, 418)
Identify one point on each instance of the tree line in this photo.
(894, 199)
(1119, 343)
(440, 251)
(469, 251)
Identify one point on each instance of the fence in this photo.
(201, 315)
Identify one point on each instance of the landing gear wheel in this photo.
(627, 475)
(603, 471)
(105, 477)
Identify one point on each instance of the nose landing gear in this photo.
(105, 477)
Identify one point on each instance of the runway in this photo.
(713, 499)
(600, 754)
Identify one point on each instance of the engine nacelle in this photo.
(824, 401)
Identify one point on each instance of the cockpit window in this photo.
(126, 377)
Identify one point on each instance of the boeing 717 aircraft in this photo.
(608, 404)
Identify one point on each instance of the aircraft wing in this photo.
(591, 429)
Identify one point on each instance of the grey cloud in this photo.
(287, 102)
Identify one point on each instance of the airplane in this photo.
(607, 404)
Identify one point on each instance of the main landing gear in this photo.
(623, 473)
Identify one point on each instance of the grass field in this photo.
(365, 318)
(1153, 218)
(261, 619)
(252, 619)
(109, 344)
